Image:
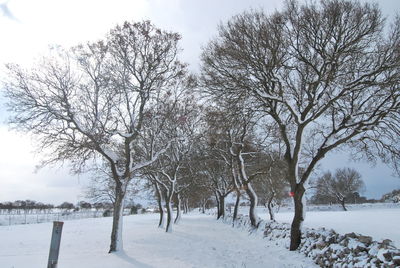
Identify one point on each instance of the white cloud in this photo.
(64, 22)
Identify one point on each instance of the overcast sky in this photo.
(29, 27)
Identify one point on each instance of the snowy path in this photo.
(198, 241)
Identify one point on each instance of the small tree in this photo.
(98, 206)
(84, 205)
(230, 134)
(171, 173)
(66, 206)
(272, 188)
(341, 185)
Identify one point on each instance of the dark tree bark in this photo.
(237, 202)
(295, 232)
(160, 205)
(203, 206)
(168, 201)
(221, 206)
(270, 207)
(218, 206)
(178, 209)
(342, 201)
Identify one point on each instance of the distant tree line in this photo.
(25, 206)
(30, 206)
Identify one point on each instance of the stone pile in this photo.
(328, 248)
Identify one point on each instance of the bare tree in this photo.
(200, 190)
(272, 188)
(90, 103)
(327, 74)
(171, 172)
(231, 139)
(340, 185)
(217, 162)
(212, 174)
(243, 153)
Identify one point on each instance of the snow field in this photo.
(198, 241)
(12, 219)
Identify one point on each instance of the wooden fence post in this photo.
(55, 244)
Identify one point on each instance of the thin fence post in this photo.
(55, 244)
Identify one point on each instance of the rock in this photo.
(351, 235)
(359, 249)
(388, 256)
(320, 245)
(372, 260)
(365, 239)
(378, 262)
(396, 261)
(386, 243)
(331, 239)
(341, 255)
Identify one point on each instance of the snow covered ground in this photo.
(198, 241)
(378, 220)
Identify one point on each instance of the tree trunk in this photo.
(248, 188)
(253, 203)
(184, 207)
(168, 201)
(236, 209)
(221, 210)
(342, 203)
(160, 206)
(270, 207)
(203, 207)
(178, 209)
(116, 233)
(186, 204)
(295, 232)
(218, 206)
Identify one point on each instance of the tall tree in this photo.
(90, 103)
(327, 74)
